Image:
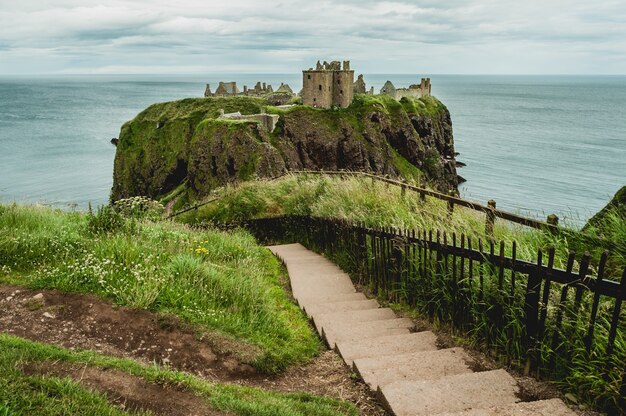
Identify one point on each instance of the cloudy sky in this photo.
(403, 36)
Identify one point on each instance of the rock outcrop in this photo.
(184, 142)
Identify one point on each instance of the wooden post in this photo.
(450, 203)
(531, 312)
(402, 190)
(491, 218)
(553, 222)
(422, 196)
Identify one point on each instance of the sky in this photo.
(269, 36)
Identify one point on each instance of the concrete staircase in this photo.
(411, 376)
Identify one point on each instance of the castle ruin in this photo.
(414, 91)
(226, 89)
(328, 85)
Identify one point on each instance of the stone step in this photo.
(350, 305)
(552, 407)
(308, 301)
(387, 345)
(315, 280)
(323, 290)
(350, 331)
(284, 250)
(423, 365)
(328, 321)
(450, 394)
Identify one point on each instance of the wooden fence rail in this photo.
(530, 313)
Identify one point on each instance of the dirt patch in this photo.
(128, 392)
(327, 376)
(78, 321)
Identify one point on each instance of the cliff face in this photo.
(170, 143)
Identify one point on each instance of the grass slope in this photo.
(221, 281)
(23, 394)
(377, 204)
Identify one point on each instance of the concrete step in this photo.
(387, 346)
(308, 301)
(423, 365)
(285, 250)
(350, 331)
(317, 279)
(351, 305)
(450, 394)
(552, 407)
(328, 321)
(314, 266)
(323, 290)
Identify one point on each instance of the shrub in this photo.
(139, 207)
(105, 220)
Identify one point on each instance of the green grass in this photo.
(220, 281)
(24, 394)
(376, 204)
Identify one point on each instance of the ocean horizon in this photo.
(537, 144)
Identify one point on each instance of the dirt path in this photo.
(80, 321)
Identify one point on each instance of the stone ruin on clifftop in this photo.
(329, 84)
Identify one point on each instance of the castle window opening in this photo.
(309, 76)
(320, 87)
(340, 92)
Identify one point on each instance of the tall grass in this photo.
(221, 281)
(376, 204)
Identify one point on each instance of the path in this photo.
(411, 376)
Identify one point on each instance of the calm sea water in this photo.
(535, 144)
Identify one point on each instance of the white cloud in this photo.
(427, 36)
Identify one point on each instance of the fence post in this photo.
(397, 258)
(450, 203)
(402, 191)
(490, 218)
(531, 312)
(553, 222)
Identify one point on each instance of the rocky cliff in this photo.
(185, 142)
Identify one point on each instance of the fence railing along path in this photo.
(543, 318)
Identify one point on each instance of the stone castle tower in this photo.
(328, 85)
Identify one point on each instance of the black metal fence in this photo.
(531, 314)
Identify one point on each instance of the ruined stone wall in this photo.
(317, 88)
(266, 121)
(414, 91)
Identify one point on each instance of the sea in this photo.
(536, 145)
